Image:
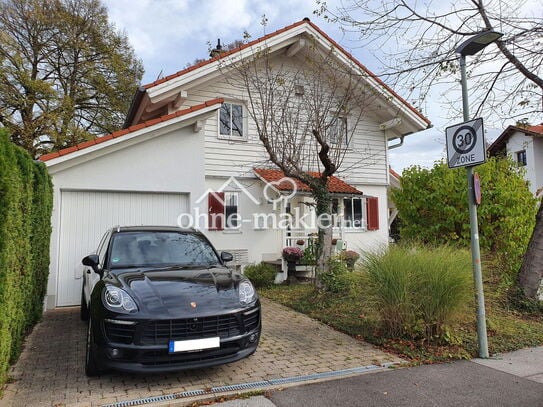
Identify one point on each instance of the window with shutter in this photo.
(215, 213)
(372, 209)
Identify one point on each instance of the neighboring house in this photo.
(181, 158)
(525, 146)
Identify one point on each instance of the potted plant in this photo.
(292, 254)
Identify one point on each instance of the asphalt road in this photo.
(459, 384)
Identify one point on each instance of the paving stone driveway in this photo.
(50, 370)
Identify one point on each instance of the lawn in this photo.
(508, 328)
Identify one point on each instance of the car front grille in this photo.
(159, 332)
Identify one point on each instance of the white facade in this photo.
(525, 146)
(162, 169)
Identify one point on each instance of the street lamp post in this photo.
(470, 47)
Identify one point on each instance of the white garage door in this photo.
(86, 215)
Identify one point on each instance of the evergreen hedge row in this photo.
(26, 201)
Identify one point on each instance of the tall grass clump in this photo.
(417, 291)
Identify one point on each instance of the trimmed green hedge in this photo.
(26, 200)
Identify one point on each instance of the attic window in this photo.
(231, 121)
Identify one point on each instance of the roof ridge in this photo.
(277, 32)
(224, 54)
(131, 129)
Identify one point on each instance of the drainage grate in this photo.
(250, 386)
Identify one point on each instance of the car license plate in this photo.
(192, 345)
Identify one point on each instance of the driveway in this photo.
(50, 369)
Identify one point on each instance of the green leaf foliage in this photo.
(66, 73)
(261, 275)
(25, 228)
(433, 207)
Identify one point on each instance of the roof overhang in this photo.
(290, 40)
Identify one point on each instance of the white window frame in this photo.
(244, 122)
(333, 130)
(342, 212)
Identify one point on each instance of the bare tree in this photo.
(415, 43)
(306, 109)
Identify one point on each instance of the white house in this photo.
(175, 163)
(525, 146)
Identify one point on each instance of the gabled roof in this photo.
(276, 178)
(131, 129)
(211, 65)
(499, 144)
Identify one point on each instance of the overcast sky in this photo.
(170, 34)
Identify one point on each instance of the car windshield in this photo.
(160, 249)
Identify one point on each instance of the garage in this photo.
(84, 217)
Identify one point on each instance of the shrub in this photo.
(350, 257)
(418, 290)
(261, 275)
(25, 214)
(433, 207)
(335, 279)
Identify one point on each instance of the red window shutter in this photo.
(215, 211)
(372, 210)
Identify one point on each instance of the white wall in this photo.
(538, 157)
(154, 162)
(518, 142)
(364, 163)
(261, 244)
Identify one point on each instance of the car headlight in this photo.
(247, 293)
(118, 300)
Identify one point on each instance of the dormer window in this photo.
(231, 121)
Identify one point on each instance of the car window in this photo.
(102, 247)
(160, 249)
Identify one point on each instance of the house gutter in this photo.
(136, 100)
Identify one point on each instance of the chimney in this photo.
(217, 50)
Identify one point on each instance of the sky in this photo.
(168, 35)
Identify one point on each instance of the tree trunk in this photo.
(531, 270)
(324, 222)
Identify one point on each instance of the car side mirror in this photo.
(93, 262)
(226, 257)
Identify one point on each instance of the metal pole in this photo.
(475, 250)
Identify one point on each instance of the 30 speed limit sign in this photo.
(466, 144)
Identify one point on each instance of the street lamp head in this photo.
(476, 43)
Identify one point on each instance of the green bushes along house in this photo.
(26, 200)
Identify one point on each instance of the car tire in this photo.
(84, 310)
(91, 366)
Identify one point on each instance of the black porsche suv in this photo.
(160, 299)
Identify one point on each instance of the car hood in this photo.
(182, 292)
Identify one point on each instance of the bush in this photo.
(261, 275)
(433, 207)
(335, 279)
(25, 214)
(418, 290)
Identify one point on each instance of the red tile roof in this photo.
(131, 129)
(282, 30)
(499, 144)
(275, 177)
(536, 129)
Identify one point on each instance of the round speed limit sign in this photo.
(464, 139)
(466, 144)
